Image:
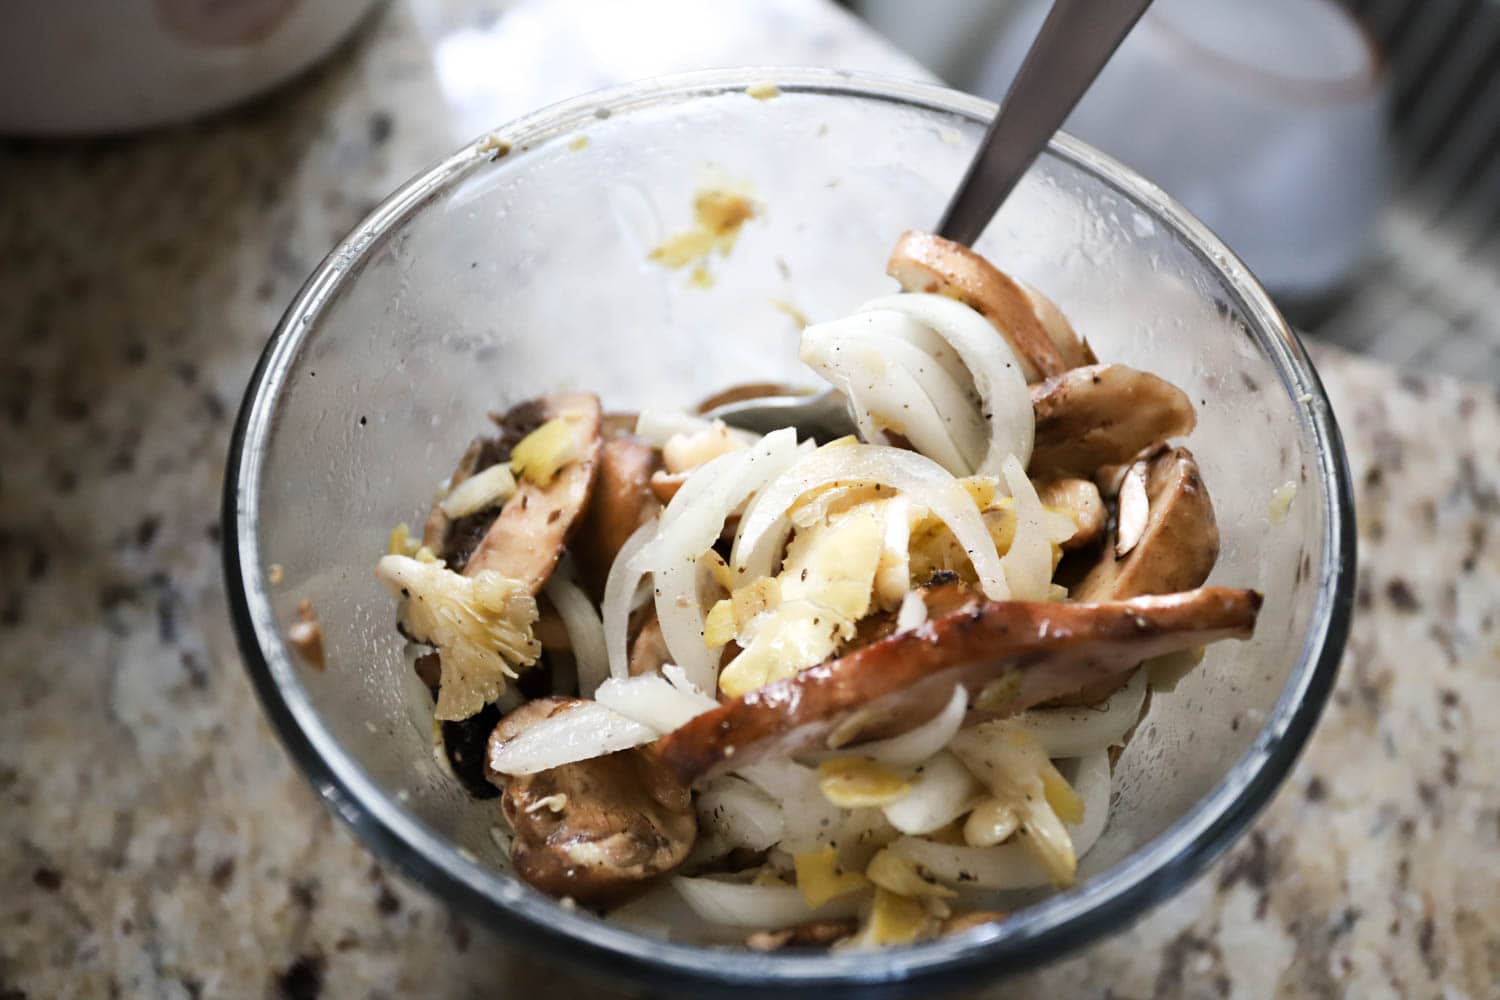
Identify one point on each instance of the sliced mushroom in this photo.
(1102, 415)
(1009, 654)
(1175, 549)
(1075, 351)
(1081, 499)
(818, 934)
(922, 262)
(622, 500)
(597, 831)
(525, 541)
(453, 540)
(1175, 544)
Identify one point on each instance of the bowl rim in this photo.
(1151, 873)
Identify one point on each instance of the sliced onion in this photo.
(1091, 781)
(481, 490)
(1010, 865)
(585, 631)
(690, 525)
(740, 814)
(1028, 561)
(658, 426)
(764, 526)
(942, 792)
(653, 701)
(621, 589)
(912, 613)
(890, 382)
(1073, 732)
(995, 369)
(582, 732)
(916, 745)
(1005, 866)
(810, 818)
(762, 907)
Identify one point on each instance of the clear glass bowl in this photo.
(489, 279)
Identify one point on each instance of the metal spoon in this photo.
(1075, 42)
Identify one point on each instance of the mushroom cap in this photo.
(1102, 415)
(599, 830)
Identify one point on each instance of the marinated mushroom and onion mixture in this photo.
(823, 695)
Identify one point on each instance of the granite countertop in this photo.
(155, 840)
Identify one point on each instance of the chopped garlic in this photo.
(819, 878)
(687, 450)
(401, 543)
(1018, 772)
(539, 456)
(893, 920)
(484, 489)
(913, 612)
(857, 782)
(991, 822)
(892, 872)
(481, 626)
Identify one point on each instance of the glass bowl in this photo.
(519, 266)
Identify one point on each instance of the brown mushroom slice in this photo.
(1102, 415)
(819, 934)
(1009, 654)
(922, 262)
(1075, 350)
(597, 831)
(622, 501)
(1081, 499)
(526, 539)
(1175, 546)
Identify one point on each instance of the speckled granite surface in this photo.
(156, 841)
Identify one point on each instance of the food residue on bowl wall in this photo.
(718, 214)
(306, 636)
(763, 91)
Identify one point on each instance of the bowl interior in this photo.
(496, 279)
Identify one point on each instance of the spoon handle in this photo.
(1075, 42)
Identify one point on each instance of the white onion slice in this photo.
(585, 731)
(620, 592)
(810, 818)
(585, 631)
(1028, 562)
(481, 490)
(889, 381)
(690, 525)
(943, 791)
(995, 369)
(764, 526)
(1073, 732)
(740, 814)
(916, 745)
(1091, 781)
(1010, 865)
(912, 613)
(652, 701)
(761, 907)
